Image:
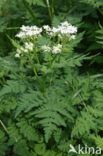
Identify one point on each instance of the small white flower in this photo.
(50, 34)
(24, 28)
(72, 29)
(40, 30)
(28, 31)
(66, 28)
(47, 27)
(22, 49)
(65, 24)
(29, 46)
(55, 30)
(57, 49)
(60, 36)
(18, 51)
(46, 48)
(17, 55)
(21, 35)
(25, 51)
(72, 37)
(48, 30)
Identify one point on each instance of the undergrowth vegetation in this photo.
(51, 77)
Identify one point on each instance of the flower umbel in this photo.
(29, 31)
(28, 46)
(29, 35)
(57, 49)
(46, 48)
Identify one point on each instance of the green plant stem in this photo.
(12, 28)
(70, 3)
(101, 12)
(49, 10)
(50, 66)
(53, 61)
(52, 9)
(43, 88)
(4, 127)
(35, 71)
(37, 56)
(45, 76)
(44, 84)
(31, 12)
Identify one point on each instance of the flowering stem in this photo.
(31, 12)
(50, 66)
(37, 56)
(45, 76)
(52, 61)
(34, 69)
(35, 72)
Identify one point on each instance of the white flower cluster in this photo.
(46, 48)
(55, 49)
(29, 31)
(64, 29)
(27, 47)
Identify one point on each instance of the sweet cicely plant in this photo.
(45, 49)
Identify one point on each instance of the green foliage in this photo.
(55, 116)
(37, 2)
(50, 109)
(28, 131)
(3, 145)
(47, 105)
(100, 36)
(93, 3)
